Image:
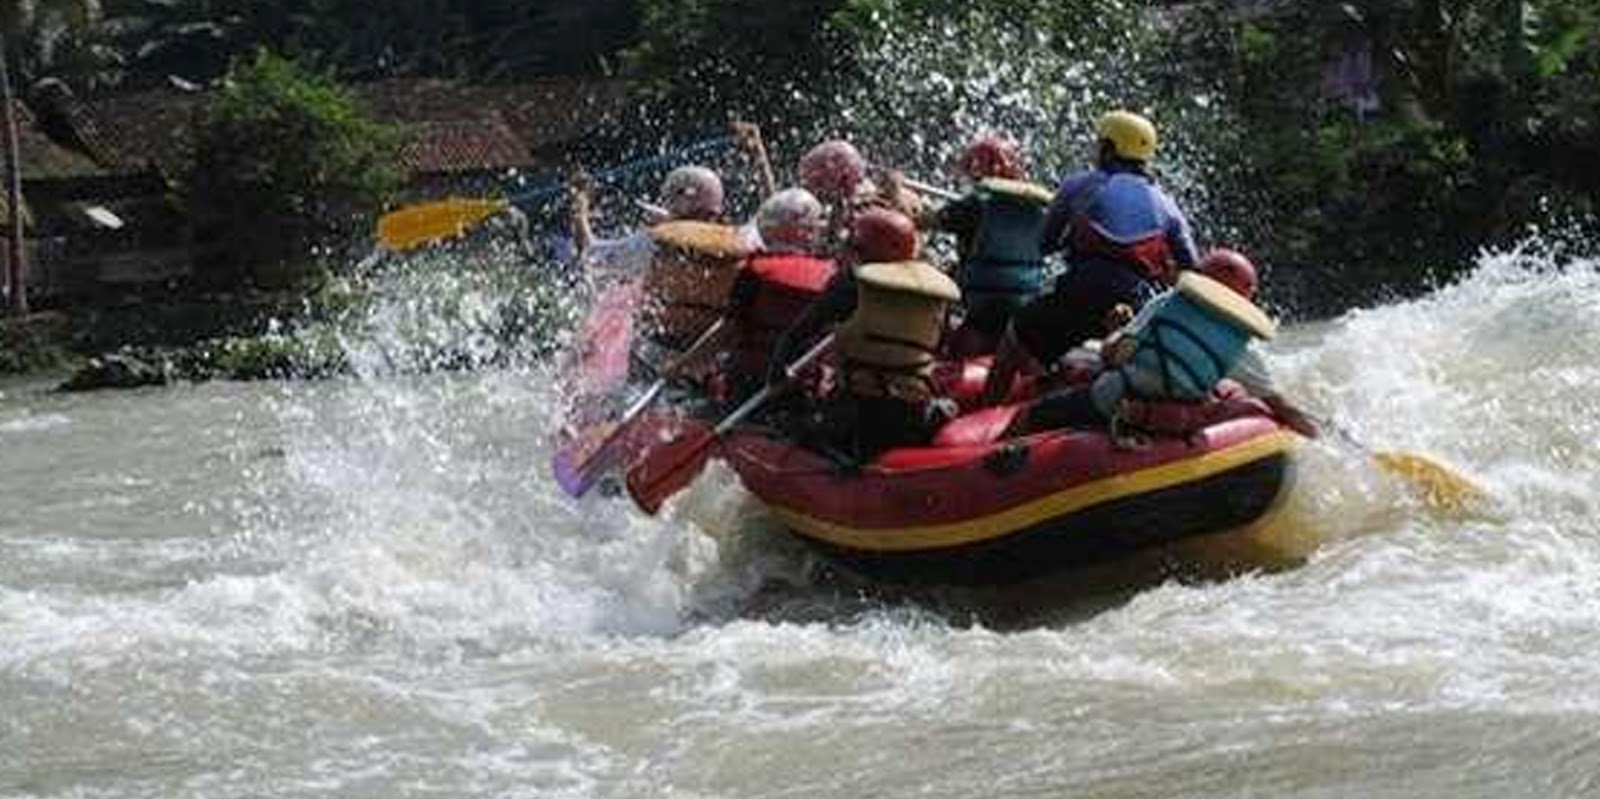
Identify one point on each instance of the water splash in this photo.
(936, 81)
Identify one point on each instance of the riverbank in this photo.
(144, 339)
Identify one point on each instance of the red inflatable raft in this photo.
(971, 509)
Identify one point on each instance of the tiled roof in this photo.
(135, 131)
(461, 145)
(542, 113)
(446, 127)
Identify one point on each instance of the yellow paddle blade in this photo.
(1441, 488)
(427, 223)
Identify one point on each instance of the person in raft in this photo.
(998, 227)
(836, 173)
(1175, 352)
(776, 286)
(1124, 240)
(877, 235)
(884, 353)
(688, 193)
(671, 279)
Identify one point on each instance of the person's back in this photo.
(998, 228)
(1125, 240)
(777, 284)
(689, 284)
(885, 353)
(1176, 352)
(1119, 216)
(877, 235)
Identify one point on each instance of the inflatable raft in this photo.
(975, 510)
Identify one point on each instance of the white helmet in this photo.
(692, 192)
(790, 219)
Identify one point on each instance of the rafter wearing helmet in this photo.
(1165, 370)
(876, 235)
(777, 285)
(1124, 238)
(998, 225)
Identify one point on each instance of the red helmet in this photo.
(879, 235)
(991, 156)
(832, 170)
(1231, 269)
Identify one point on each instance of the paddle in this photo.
(673, 466)
(417, 225)
(578, 474)
(1439, 486)
(930, 189)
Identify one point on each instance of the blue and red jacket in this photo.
(1119, 215)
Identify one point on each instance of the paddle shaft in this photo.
(645, 400)
(766, 393)
(413, 226)
(930, 189)
(672, 367)
(675, 465)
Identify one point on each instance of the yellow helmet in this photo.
(1132, 136)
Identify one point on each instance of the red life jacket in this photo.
(777, 289)
(1150, 255)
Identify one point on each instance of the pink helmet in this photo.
(879, 235)
(692, 192)
(991, 156)
(832, 170)
(790, 219)
(1231, 269)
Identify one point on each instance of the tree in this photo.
(39, 21)
(368, 39)
(284, 165)
(705, 62)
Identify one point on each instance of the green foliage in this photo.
(472, 39)
(45, 38)
(284, 164)
(1486, 126)
(34, 343)
(707, 61)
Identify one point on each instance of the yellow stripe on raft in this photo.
(1021, 517)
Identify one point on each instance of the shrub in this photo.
(285, 167)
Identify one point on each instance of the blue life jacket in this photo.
(1006, 256)
(1121, 216)
(1184, 349)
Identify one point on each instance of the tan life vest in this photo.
(886, 349)
(690, 280)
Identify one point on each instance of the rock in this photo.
(122, 369)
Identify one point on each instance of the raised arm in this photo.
(580, 193)
(748, 135)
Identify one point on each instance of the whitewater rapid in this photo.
(372, 587)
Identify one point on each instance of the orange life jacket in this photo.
(689, 283)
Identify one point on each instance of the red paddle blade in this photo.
(669, 469)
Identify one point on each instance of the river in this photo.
(371, 587)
